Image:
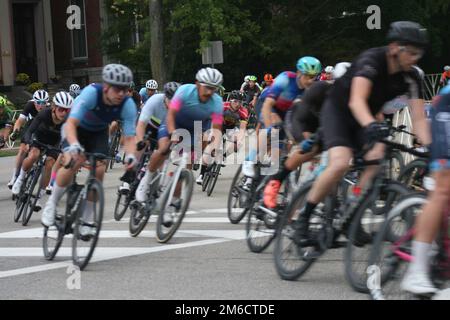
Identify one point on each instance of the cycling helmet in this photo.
(340, 69)
(3, 102)
(151, 85)
(40, 95)
(74, 88)
(329, 69)
(117, 75)
(236, 95)
(209, 76)
(63, 99)
(247, 78)
(408, 33)
(309, 66)
(132, 85)
(268, 77)
(170, 88)
(447, 68)
(252, 78)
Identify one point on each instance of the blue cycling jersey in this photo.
(94, 115)
(190, 109)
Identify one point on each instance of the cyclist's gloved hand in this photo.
(14, 135)
(130, 161)
(376, 131)
(307, 145)
(74, 149)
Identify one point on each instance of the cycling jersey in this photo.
(144, 95)
(339, 126)
(250, 93)
(234, 118)
(6, 117)
(190, 109)
(445, 78)
(44, 129)
(95, 115)
(29, 111)
(154, 111)
(284, 91)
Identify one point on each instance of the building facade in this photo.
(35, 38)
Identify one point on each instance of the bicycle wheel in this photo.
(170, 218)
(215, 173)
(21, 199)
(291, 260)
(236, 204)
(139, 216)
(388, 259)
(122, 203)
(413, 174)
(206, 178)
(364, 226)
(83, 245)
(260, 229)
(32, 196)
(54, 235)
(112, 151)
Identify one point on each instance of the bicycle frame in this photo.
(181, 164)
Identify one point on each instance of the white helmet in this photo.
(340, 69)
(40, 95)
(447, 68)
(117, 75)
(329, 69)
(63, 99)
(151, 85)
(75, 88)
(247, 79)
(209, 76)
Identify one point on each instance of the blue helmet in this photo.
(309, 66)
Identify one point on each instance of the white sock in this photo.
(88, 213)
(420, 251)
(14, 174)
(22, 174)
(57, 193)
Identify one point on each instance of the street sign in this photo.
(213, 54)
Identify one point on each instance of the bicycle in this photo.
(72, 205)
(31, 194)
(390, 256)
(114, 147)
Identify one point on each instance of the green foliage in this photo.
(35, 86)
(23, 79)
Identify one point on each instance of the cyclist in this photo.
(46, 129)
(31, 109)
(276, 101)
(191, 103)
(246, 79)
(268, 80)
(87, 129)
(328, 74)
(445, 78)
(348, 114)
(6, 118)
(235, 120)
(74, 90)
(305, 119)
(151, 87)
(417, 278)
(152, 116)
(135, 95)
(251, 91)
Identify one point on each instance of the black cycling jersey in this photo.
(44, 129)
(29, 111)
(250, 93)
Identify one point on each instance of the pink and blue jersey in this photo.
(190, 109)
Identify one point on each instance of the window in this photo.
(79, 41)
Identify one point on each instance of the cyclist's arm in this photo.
(128, 117)
(359, 97)
(33, 127)
(420, 124)
(175, 105)
(269, 103)
(140, 130)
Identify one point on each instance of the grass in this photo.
(8, 153)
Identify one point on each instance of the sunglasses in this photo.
(214, 89)
(119, 89)
(61, 109)
(41, 102)
(418, 54)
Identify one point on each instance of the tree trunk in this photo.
(159, 68)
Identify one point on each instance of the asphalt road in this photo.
(207, 259)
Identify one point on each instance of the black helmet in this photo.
(170, 88)
(236, 95)
(408, 33)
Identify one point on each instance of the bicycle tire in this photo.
(206, 179)
(413, 174)
(215, 176)
(138, 219)
(31, 199)
(284, 223)
(98, 214)
(119, 208)
(395, 156)
(21, 200)
(357, 277)
(161, 235)
(235, 218)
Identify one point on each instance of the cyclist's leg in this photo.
(370, 172)
(23, 149)
(27, 164)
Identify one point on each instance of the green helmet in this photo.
(3, 102)
(309, 66)
(252, 78)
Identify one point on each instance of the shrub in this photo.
(35, 86)
(23, 79)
